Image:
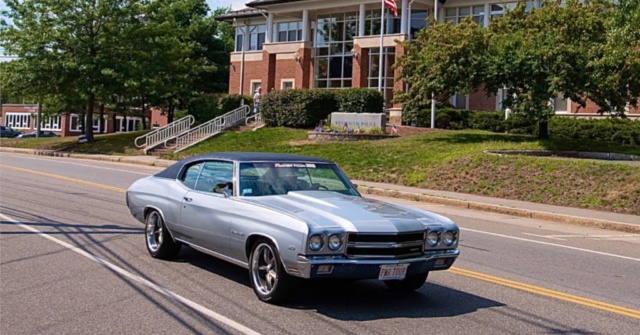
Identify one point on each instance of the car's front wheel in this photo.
(269, 280)
(159, 242)
(409, 283)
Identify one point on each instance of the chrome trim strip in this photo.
(216, 254)
(390, 245)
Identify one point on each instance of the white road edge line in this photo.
(193, 305)
(553, 244)
(545, 236)
(58, 160)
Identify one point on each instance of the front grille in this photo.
(382, 238)
(400, 245)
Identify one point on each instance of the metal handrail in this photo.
(259, 123)
(167, 132)
(210, 128)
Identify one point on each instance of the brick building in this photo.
(22, 117)
(324, 44)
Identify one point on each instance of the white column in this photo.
(274, 34)
(305, 25)
(487, 14)
(403, 19)
(269, 28)
(361, 18)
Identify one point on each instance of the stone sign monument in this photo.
(355, 121)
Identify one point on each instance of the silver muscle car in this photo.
(286, 217)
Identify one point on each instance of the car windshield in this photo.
(260, 179)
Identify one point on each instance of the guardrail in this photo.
(259, 123)
(210, 128)
(162, 134)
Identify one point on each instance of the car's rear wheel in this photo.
(159, 242)
(409, 283)
(269, 280)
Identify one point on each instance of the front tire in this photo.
(408, 284)
(269, 280)
(159, 242)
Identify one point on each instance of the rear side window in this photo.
(190, 176)
(214, 173)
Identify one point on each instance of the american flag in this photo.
(392, 4)
(395, 129)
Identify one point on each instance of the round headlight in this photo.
(315, 242)
(449, 238)
(433, 239)
(335, 242)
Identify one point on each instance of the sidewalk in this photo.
(569, 215)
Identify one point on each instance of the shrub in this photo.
(297, 108)
(421, 114)
(209, 106)
(359, 100)
(610, 130)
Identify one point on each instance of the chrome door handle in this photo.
(187, 199)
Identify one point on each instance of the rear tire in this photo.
(408, 284)
(269, 280)
(159, 242)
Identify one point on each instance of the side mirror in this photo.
(223, 189)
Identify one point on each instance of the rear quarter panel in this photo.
(162, 194)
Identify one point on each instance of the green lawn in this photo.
(110, 144)
(455, 161)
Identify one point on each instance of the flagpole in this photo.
(381, 49)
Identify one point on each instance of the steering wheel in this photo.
(317, 186)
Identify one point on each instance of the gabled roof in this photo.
(240, 14)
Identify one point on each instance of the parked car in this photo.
(8, 132)
(287, 216)
(42, 134)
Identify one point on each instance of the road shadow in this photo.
(362, 300)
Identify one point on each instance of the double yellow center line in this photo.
(476, 275)
(548, 293)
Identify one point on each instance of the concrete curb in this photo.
(607, 156)
(546, 216)
(104, 158)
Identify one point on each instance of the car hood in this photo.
(322, 209)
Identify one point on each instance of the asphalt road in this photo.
(76, 263)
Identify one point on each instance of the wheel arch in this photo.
(148, 209)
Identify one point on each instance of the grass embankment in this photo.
(109, 144)
(455, 161)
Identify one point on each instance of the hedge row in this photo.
(305, 108)
(610, 129)
(210, 106)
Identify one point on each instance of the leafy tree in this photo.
(561, 49)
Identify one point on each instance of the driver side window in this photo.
(190, 177)
(215, 173)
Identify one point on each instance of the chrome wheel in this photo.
(264, 269)
(154, 231)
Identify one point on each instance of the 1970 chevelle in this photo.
(287, 216)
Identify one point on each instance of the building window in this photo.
(560, 104)
(287, 84)
(373, 22)
(76, 125)
(498, 10)
(132, 124)
(18, 120)
(51, 122)
(334, 42)
(255, 85)
(460, 101)
(456, 15)
(387, 72)
(289, 31)
(257, 35)
(418, 21)
(240, 38)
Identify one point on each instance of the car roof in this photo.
(173, 171)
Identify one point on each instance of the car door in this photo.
(206, 215)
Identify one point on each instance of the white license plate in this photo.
(395, 271)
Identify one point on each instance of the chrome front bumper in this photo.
(369, 268)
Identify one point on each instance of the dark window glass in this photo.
(214, 173)
(282, 36)
(335, 67)
(348, 67)
(190, 176)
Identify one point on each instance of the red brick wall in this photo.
(304, 73)
(287, 69)
(157, 118)
(360, 71)
(252, 70)
(398, 85)
(478, 101)
(591, 107)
